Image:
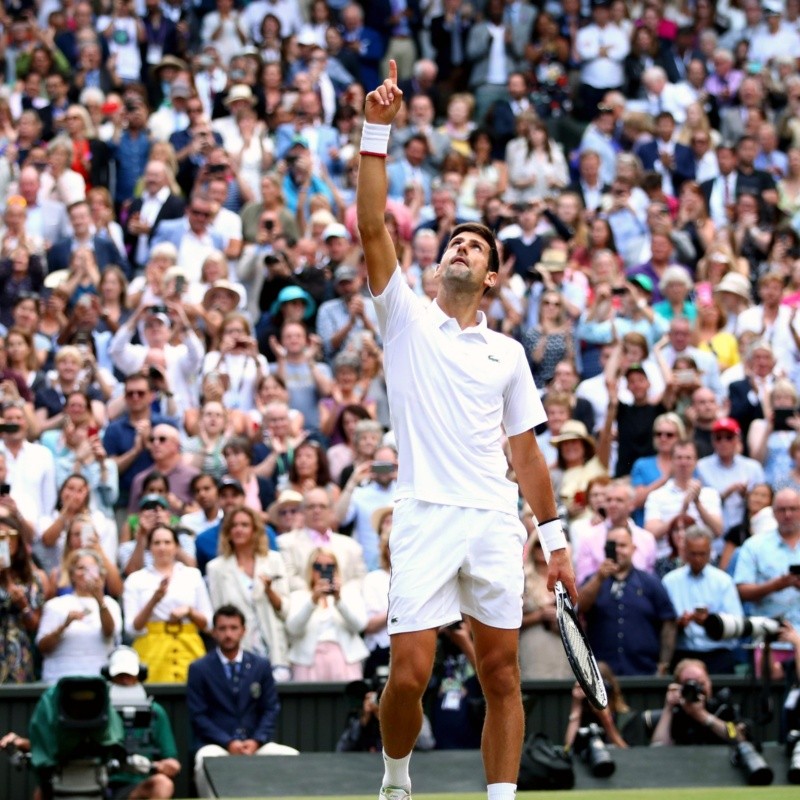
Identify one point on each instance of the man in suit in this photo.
(720, 192)
(501, 121)
(672, 160)
(734, 120)
(157, 203)
(589, 186)
(83, 236)
(449, 33)
(423, 81)
(296, 546)
(496, 48)
(232, 699)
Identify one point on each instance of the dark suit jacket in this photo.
(577, 187)
(442, 43)
(684, 162)
(743, 410)
(58, 256)
(219, 715)
(173, 208)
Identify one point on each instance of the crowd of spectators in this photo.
(194, 409)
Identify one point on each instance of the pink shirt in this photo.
(591, 550)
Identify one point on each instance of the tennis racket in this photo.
(579, 654)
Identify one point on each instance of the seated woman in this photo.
(310, 469)
(252, 577)
(81, 535)
(78, 630)
(324, 624)
(166, 606)
(21, 598)
(769, 440)
(73, 503)
(579, 460)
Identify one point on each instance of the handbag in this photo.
(544, 765)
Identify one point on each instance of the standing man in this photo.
(453, 383)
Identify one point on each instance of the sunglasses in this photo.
(666, 434)
(159, 439)
(723, 437)
(287, 512)
(199, 213)
(135, 393)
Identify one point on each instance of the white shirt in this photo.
(242, 372)
(376, 599)
(717, 201)
(707, 168)
(32, 476)
(151, 205)
(194, 250)
(182, 363)
(186, 587)
(778, 333)
(666, 502)
(105, 528)
(450, 442)
(82, 648)
(497, 72)
(287, 11)
(606, 71)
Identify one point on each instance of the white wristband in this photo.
(551, 536)
(375, 139)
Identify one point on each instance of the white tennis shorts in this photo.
(448, 561)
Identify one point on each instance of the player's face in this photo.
(465, 263)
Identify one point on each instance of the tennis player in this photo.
(456, 542)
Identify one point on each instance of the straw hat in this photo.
(574, 429)
(735, 283)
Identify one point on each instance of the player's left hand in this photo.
(559, 568)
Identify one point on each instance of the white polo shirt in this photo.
(450, 394)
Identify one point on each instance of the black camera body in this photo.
(756, 771)
(691, 691)
(793, 754)
(591, 747)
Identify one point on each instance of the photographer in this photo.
(362, 731)
(691, 715)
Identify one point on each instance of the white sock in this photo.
(395, 772)
(502, 791)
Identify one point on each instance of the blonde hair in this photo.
(260, 544)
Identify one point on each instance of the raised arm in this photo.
(380, 109)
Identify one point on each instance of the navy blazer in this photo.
(105, 253)
(219, 715)
(684, 162)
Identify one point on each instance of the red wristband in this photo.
(367, 153)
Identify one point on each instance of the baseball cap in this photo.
(150, 500)
(124, 661)
(335, 231)
(345, 273)
(230, 483)
(726, 424)
(163, 318)
(643, 282)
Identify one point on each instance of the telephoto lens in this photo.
(589, 745)
(756, 770)
(793, 753)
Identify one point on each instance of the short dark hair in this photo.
(193, 482)
(228, 610)
(479, 229)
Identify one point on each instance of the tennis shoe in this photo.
(394, 793)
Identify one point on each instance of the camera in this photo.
(383, 467)
(291, 159)
(793, 754)
(756, 770)
(591, 747)
(9, 427)
(5, 489)
(268, 224)
(378, 682)
(158, 310)
(620, 291)
(794, 569)
(130, 106)
(729, 626)
(215, 169)
(610, 550)
(691, 691)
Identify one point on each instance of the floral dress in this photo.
(16, 643)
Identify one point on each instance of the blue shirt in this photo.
(711, 588)
(644, 472)
(624, 628)
(131, 154)
(118, 439)
(762, 558)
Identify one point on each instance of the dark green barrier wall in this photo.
(313, 715)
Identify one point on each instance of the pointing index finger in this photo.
(393, 71)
